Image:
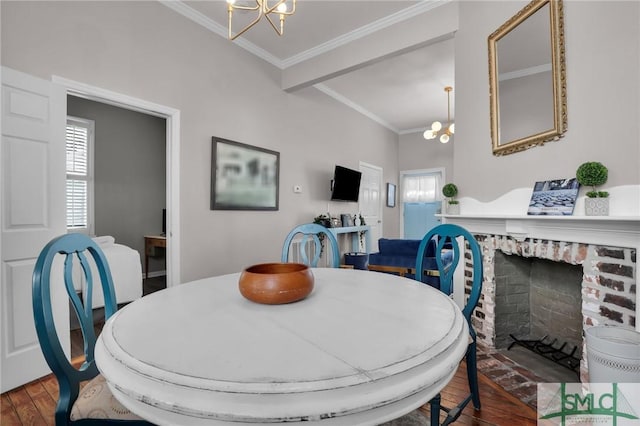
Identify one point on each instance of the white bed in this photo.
(126, 271)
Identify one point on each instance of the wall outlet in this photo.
(297, 189)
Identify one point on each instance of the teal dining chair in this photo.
(447, 236)
(95, 404)
(312, 245)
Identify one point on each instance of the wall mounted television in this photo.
(345, 185)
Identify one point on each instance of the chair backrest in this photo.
(318, 235)
(76, 249)
(446, 236)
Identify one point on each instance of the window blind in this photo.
(78, 136)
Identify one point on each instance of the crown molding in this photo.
(424, 6)
(201, 19)
(338, 97)
(387, 21)
(402, 15)
(414, 130)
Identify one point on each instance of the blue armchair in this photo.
(398, 256)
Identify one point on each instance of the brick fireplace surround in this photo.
(605, 247)
(608, 286)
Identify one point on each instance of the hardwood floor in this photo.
(31, 404)
(34, 404)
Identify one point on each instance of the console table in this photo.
(151, 242)
(355, 234)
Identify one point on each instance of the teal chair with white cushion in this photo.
(313, 240)
(94, 405)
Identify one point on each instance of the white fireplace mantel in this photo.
(507, 215)
(619, 231)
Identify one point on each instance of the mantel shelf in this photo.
(618, 231)
(542, 217)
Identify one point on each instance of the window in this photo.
(421, 188)
(79, 141)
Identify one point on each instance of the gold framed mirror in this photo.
(527, 84)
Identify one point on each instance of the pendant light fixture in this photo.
(283, 8)
(436, 127)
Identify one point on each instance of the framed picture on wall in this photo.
(243, 177)
(391, 195)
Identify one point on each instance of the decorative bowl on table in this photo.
(276, 283)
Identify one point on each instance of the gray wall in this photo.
(534, 115)
(603, 84)
(602, 40)
(417, 153)
(129, 173)
(145, 50)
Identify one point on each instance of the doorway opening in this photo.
(172, 147)
(420, 201)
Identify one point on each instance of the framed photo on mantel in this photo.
(243, 177)
(554, 197)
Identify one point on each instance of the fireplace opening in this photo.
(538, 303)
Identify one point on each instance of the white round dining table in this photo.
(363, 348)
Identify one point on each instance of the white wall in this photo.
(602, 40)
(147, 51)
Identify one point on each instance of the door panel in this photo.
(32, 212)
(419, 218)
(370, 201)
(27, 169)
(20, 272)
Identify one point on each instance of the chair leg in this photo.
(472, 375)
(435, 410)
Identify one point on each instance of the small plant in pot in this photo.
(360, 222)
(593, 174)
(324, 220)
(450, 191)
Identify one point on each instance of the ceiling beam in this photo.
(440, 23)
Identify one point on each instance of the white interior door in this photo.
(32, 212)
(370, 201)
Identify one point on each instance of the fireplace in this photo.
(536, 298)
(600, 286)
(605, 284)
(538, 307)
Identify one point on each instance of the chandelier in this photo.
(437, 126)
(281, 7)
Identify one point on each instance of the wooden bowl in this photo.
(276, 283)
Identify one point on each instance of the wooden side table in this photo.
(150, 242)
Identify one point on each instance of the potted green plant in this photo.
(360, 222)
(593, 174)
(450, 191)
(324, 220)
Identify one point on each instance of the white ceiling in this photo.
(404, 92)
